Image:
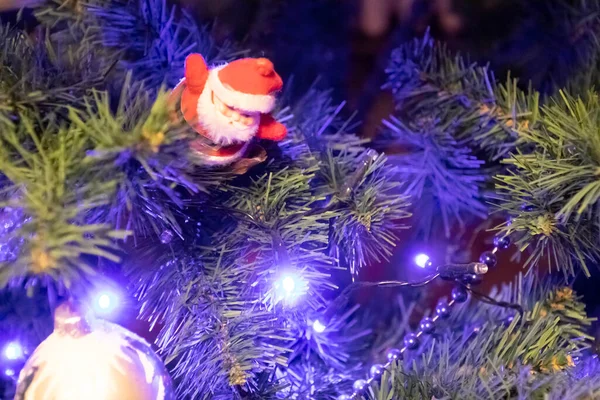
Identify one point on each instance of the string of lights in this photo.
(465, 275)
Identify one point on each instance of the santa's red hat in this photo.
(248, 84)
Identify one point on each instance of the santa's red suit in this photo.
(208, 97)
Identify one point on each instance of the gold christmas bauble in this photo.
(88, 359)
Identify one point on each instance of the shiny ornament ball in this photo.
(93, 360)
(394, 354)
(427, 325)
(376, 371)
(442, 309)
(359, 386)
(502, 242)
(472, 279)
(488, 258)
(459, 294)
(411, 341)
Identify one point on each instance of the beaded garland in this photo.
(427, 324)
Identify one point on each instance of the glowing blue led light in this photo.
(13, 351)
(421, 260)
(106, 302)
(289, 284)
(289, 287)
(9, 372)
(318, 326)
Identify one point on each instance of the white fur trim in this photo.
(243, 101)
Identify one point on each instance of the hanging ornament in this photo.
(93, 360)
(229, 106)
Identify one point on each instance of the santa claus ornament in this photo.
(229, 106)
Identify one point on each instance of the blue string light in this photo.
(13, 351)
(106, 302)
(289, 287)
(422, 260)
(318, 327)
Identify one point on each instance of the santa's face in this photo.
(236, 117)
(223, 123)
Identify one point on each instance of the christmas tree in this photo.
(238, 215)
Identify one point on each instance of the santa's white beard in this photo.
(221, 129)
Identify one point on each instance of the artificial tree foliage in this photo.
(98, 176)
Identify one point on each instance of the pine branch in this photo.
(371, 218)
(148, 154)
(572, 149)
(321, 361)
(551, 193)
(278, 209)
(317, 126)
(49, 183)
(424, 76)
(440, 172)
(46, 70)
(215, 330)
(152, 36)
(360, 187)
(541, 356)
(234, 288)
(453, 122)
